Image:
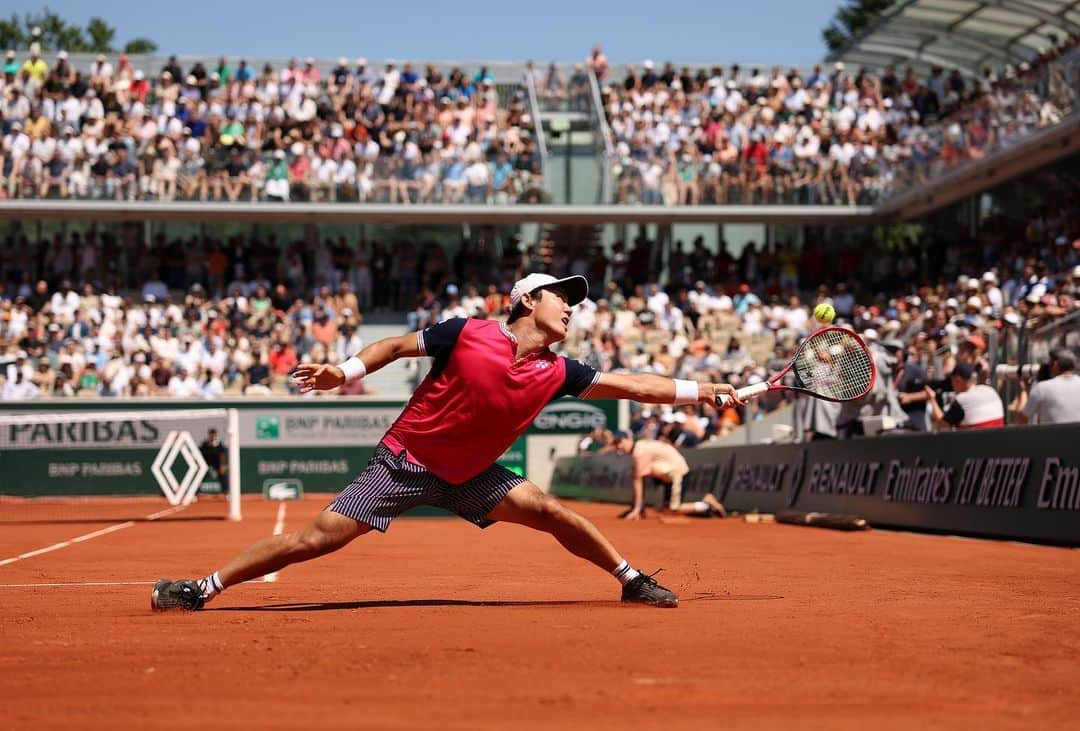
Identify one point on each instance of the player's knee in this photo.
(312, 543)
(553, 512)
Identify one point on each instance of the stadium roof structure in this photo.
(967, 35)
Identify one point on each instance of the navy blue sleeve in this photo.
(579, 379)
(438, 342)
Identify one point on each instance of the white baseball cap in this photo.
(577, 287)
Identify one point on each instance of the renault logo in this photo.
(179, 444)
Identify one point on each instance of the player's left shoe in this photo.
(643, 589)
(185, 594)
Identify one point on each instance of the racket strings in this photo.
(835, 364)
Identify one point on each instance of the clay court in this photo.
(440, 624)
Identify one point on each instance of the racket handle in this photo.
(746, 392)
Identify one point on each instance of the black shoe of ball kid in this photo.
(643, 589)
(184, 594)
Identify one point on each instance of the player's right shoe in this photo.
(185, 594)
(643, 589)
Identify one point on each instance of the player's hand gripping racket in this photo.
(832, 364)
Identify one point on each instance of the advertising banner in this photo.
(1019, 483)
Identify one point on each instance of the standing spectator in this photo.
(213, 452)
(1056, 400)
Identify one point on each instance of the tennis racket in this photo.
(832, 364)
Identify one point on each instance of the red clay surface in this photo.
(438, 624)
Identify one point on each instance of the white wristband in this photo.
(686, 392)
(353, 368)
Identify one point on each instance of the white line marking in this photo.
(279, 526)
(88, 536)
(77, 584)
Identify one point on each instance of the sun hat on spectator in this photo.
(361, 61)
(990, 277)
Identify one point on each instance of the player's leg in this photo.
(386, 488)
(526, 504)
(326, 534)
(708, 506)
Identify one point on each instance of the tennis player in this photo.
(487, 384)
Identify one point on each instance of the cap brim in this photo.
(576, 288)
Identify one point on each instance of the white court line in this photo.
(76, 584)
(279, 526)
(88, 536)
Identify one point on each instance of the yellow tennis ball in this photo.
(824, 313)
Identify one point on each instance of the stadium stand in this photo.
(842, 135)
(228, 131)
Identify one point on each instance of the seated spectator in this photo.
(975, 406)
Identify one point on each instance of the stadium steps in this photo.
(574, 164)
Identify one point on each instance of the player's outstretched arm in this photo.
(648, 388)
(316, 377)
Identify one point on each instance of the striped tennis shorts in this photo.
(390, 485)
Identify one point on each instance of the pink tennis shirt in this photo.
(478, 399)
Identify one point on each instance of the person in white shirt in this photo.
(20, 389)
(1057, 400)
(477, 178)
(795, 316)
(65, 302)
(473, 302)
(184, 385)
(215, 360)
(214, 387)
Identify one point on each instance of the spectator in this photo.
(1056, 400)
(213, 453)
(975, 406)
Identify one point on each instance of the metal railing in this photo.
(607, 149)
(538, 129)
